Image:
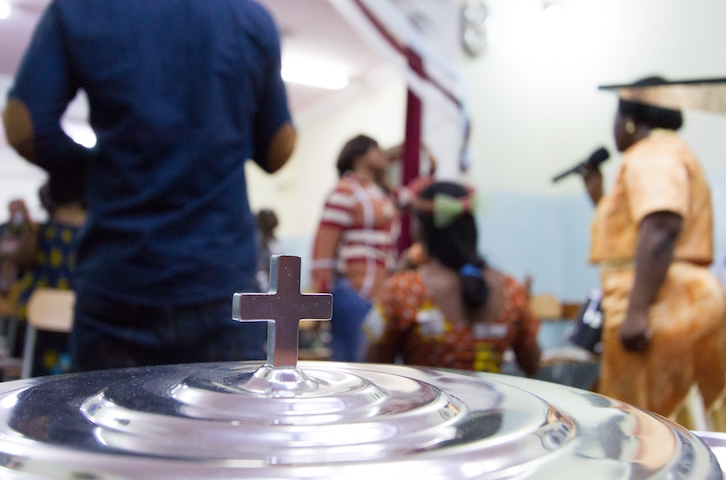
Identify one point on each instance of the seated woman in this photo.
(53, 266)
(454, 311)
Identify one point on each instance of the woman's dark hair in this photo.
(653, 117)
(353, 149)
(456, 244)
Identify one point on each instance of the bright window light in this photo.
(80, 133)
(5, 9)
(313, 73)
(85, 138)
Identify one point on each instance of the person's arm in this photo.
(326, 245)
(526, 348)
(656, 181)
(593, 184)
(337, 217)
(528, 352)
(274, 135)
(528, 360)
(281, 148)
(24, 258)
(656, 242)
(44, 85)
(23, 255)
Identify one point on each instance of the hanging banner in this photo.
(420, 37)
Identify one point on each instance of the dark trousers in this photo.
(110, 334)
(348, 341)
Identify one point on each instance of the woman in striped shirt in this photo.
(354, 244)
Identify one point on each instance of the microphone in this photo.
(597, 157)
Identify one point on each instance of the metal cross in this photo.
(282, 307)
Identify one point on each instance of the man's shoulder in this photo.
(256, 11)
(659, 143)
(252, 12)
(257, 18)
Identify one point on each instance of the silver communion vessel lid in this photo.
(327, 420)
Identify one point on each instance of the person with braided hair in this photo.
(455, 311)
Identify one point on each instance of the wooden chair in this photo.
(545, 307)
(48, 309)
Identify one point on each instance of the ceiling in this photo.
(310, 29)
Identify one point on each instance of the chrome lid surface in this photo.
(716, 441)
(327, 420)
(349, 421)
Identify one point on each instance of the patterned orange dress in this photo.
(406, 321)
(686, 358)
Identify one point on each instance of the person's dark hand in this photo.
(593, 183)
(635, 333)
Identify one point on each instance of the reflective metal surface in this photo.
(282, 308)
(716, 441)
(329, 420)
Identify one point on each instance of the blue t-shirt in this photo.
(181, 93)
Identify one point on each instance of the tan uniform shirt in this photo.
(688, 344)
(659, 174)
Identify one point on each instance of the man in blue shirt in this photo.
(181, 93)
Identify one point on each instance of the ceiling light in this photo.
(554, 10)
(313, 73)
(5, 10)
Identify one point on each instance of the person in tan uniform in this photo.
(664, 334)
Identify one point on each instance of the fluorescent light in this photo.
(313, 73)
(5, 10)
(555, 11)
(556, 22)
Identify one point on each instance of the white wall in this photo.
(535, 111)
(298, 191)
(536, 107)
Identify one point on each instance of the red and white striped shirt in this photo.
(355, 238)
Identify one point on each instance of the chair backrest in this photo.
(51, 309)
(546, 307)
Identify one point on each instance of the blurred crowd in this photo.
(153, 231)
